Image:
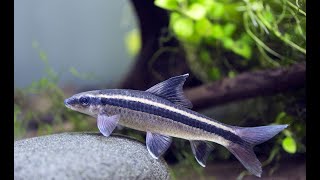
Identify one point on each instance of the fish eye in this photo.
(84, 101)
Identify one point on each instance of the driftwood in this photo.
(247, 85)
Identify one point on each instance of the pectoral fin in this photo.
(201, 151)
(157, 144)
(107, 124)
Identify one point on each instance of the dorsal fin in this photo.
(171, 89)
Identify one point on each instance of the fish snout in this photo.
(67, 102)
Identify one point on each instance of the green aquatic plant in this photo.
(19, 130)
(225, 37)
(39, 108)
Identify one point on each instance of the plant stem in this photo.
(278, 34)
(255, 38)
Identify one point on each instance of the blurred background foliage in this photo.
(226, 37)
(220, 38)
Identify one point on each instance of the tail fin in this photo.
(260, 134)
(252, 136)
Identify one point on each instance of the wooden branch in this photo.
(247, 85)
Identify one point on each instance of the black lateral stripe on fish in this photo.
(163, 112)
(166, 113)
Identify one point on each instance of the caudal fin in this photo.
(252, 136)
(260, 134)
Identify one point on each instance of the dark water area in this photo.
(286, 169)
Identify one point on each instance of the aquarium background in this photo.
(65, 47)
(86, 36)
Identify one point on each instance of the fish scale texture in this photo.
(85, 156)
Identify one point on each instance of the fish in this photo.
(164, 112)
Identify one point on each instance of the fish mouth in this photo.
(66, 103)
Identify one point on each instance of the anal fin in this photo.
(157, 144)
(201, 151)
(247, 157)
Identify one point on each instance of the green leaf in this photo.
(43, 83)
(242, 49)
(256, 6)
(287, 36)
(196, 11)
(268, 16)
(217, 31)
(166, 4)
(174, 17)
(245, 38)
(133, 42)
(205, 56)
(228, 43)
(280, 116)
(203, 27)
(289, 145)
(74, 72)
(216, 11)
(206, 3)
(229, 29)
(231, 74)
(287, 133)
(183, 27)
(215, 73)
(43, 56)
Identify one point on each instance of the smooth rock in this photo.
(85, 156)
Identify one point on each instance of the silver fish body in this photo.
(163, 112)
(147, 112)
